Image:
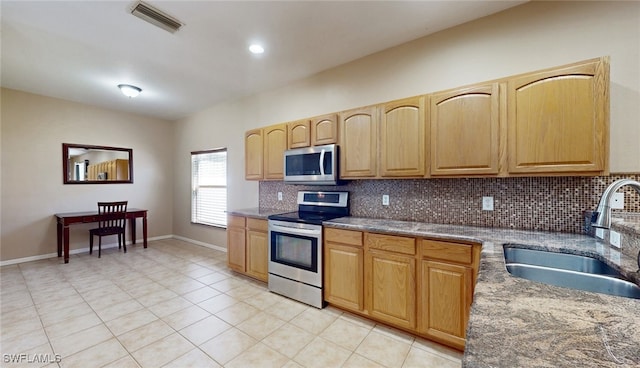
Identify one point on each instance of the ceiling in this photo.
(80, 50)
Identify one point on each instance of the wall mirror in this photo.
(85, 164)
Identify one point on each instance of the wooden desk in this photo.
(70, 218)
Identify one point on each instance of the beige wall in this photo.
(33, 130)
(533, 36)
(529, 37)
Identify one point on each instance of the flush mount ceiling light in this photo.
(129, 90)
(256, 49)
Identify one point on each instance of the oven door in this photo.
(295, 251)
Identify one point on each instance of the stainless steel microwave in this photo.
(312, 165)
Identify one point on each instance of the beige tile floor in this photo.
(175, 304)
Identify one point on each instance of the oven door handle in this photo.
(295, 230)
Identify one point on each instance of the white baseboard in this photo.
(207, 245)
(107, 246)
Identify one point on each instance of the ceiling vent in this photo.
(156, 17)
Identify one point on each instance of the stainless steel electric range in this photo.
(295, 245)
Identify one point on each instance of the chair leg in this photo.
(99, 246)
(124, 243)
(90, 243)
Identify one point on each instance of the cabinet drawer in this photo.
(447, 251)
(257, 224)
(392, 243)
(235, 221)
(343, 236)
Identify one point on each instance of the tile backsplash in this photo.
(532, 203)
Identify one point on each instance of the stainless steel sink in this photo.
(568, 270)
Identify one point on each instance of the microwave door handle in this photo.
(322, 162)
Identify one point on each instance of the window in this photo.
(209, 187)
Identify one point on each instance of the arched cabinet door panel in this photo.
(465, 131)
(324, 130)
(558, 120)
(275, 143)
(253, 147)
(402, 138)
(358, 143)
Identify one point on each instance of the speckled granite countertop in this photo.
(628, 221)
(520, 323)
(259, 213)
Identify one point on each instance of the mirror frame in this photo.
(65, 164)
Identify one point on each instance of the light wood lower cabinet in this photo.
(391, 288)
(344, 269)
(257, 249)
(423, 286)
(446, 296)
(447, 279)
(236, 249)
(248, 246)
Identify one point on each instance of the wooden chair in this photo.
(113, 223)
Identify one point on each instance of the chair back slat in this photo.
(116, 211)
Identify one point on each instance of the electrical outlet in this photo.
(617, 201)
(614, 238)
(487, 203)
(385, 199)
(279, 196)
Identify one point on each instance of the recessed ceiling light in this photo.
(256, 49)
(129, 90)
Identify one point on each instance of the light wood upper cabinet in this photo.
(465, 131)
(558, 120)
(358, 143)
(275, 143)
(324, 130)
(549, 122)
(253, 151)
(299, 134)
(402, 138)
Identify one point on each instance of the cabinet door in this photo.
(344, 276)
(324, 130)
(253, 152)
(299, 134)
(236, 243)
(558, 120)
(358, 143)
(257, 254)
(275, 143)
(390, 281)
(465, 131)
(402, 138)
(446, 295)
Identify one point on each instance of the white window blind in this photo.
(209, 187)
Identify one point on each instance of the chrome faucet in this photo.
(603, 212)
